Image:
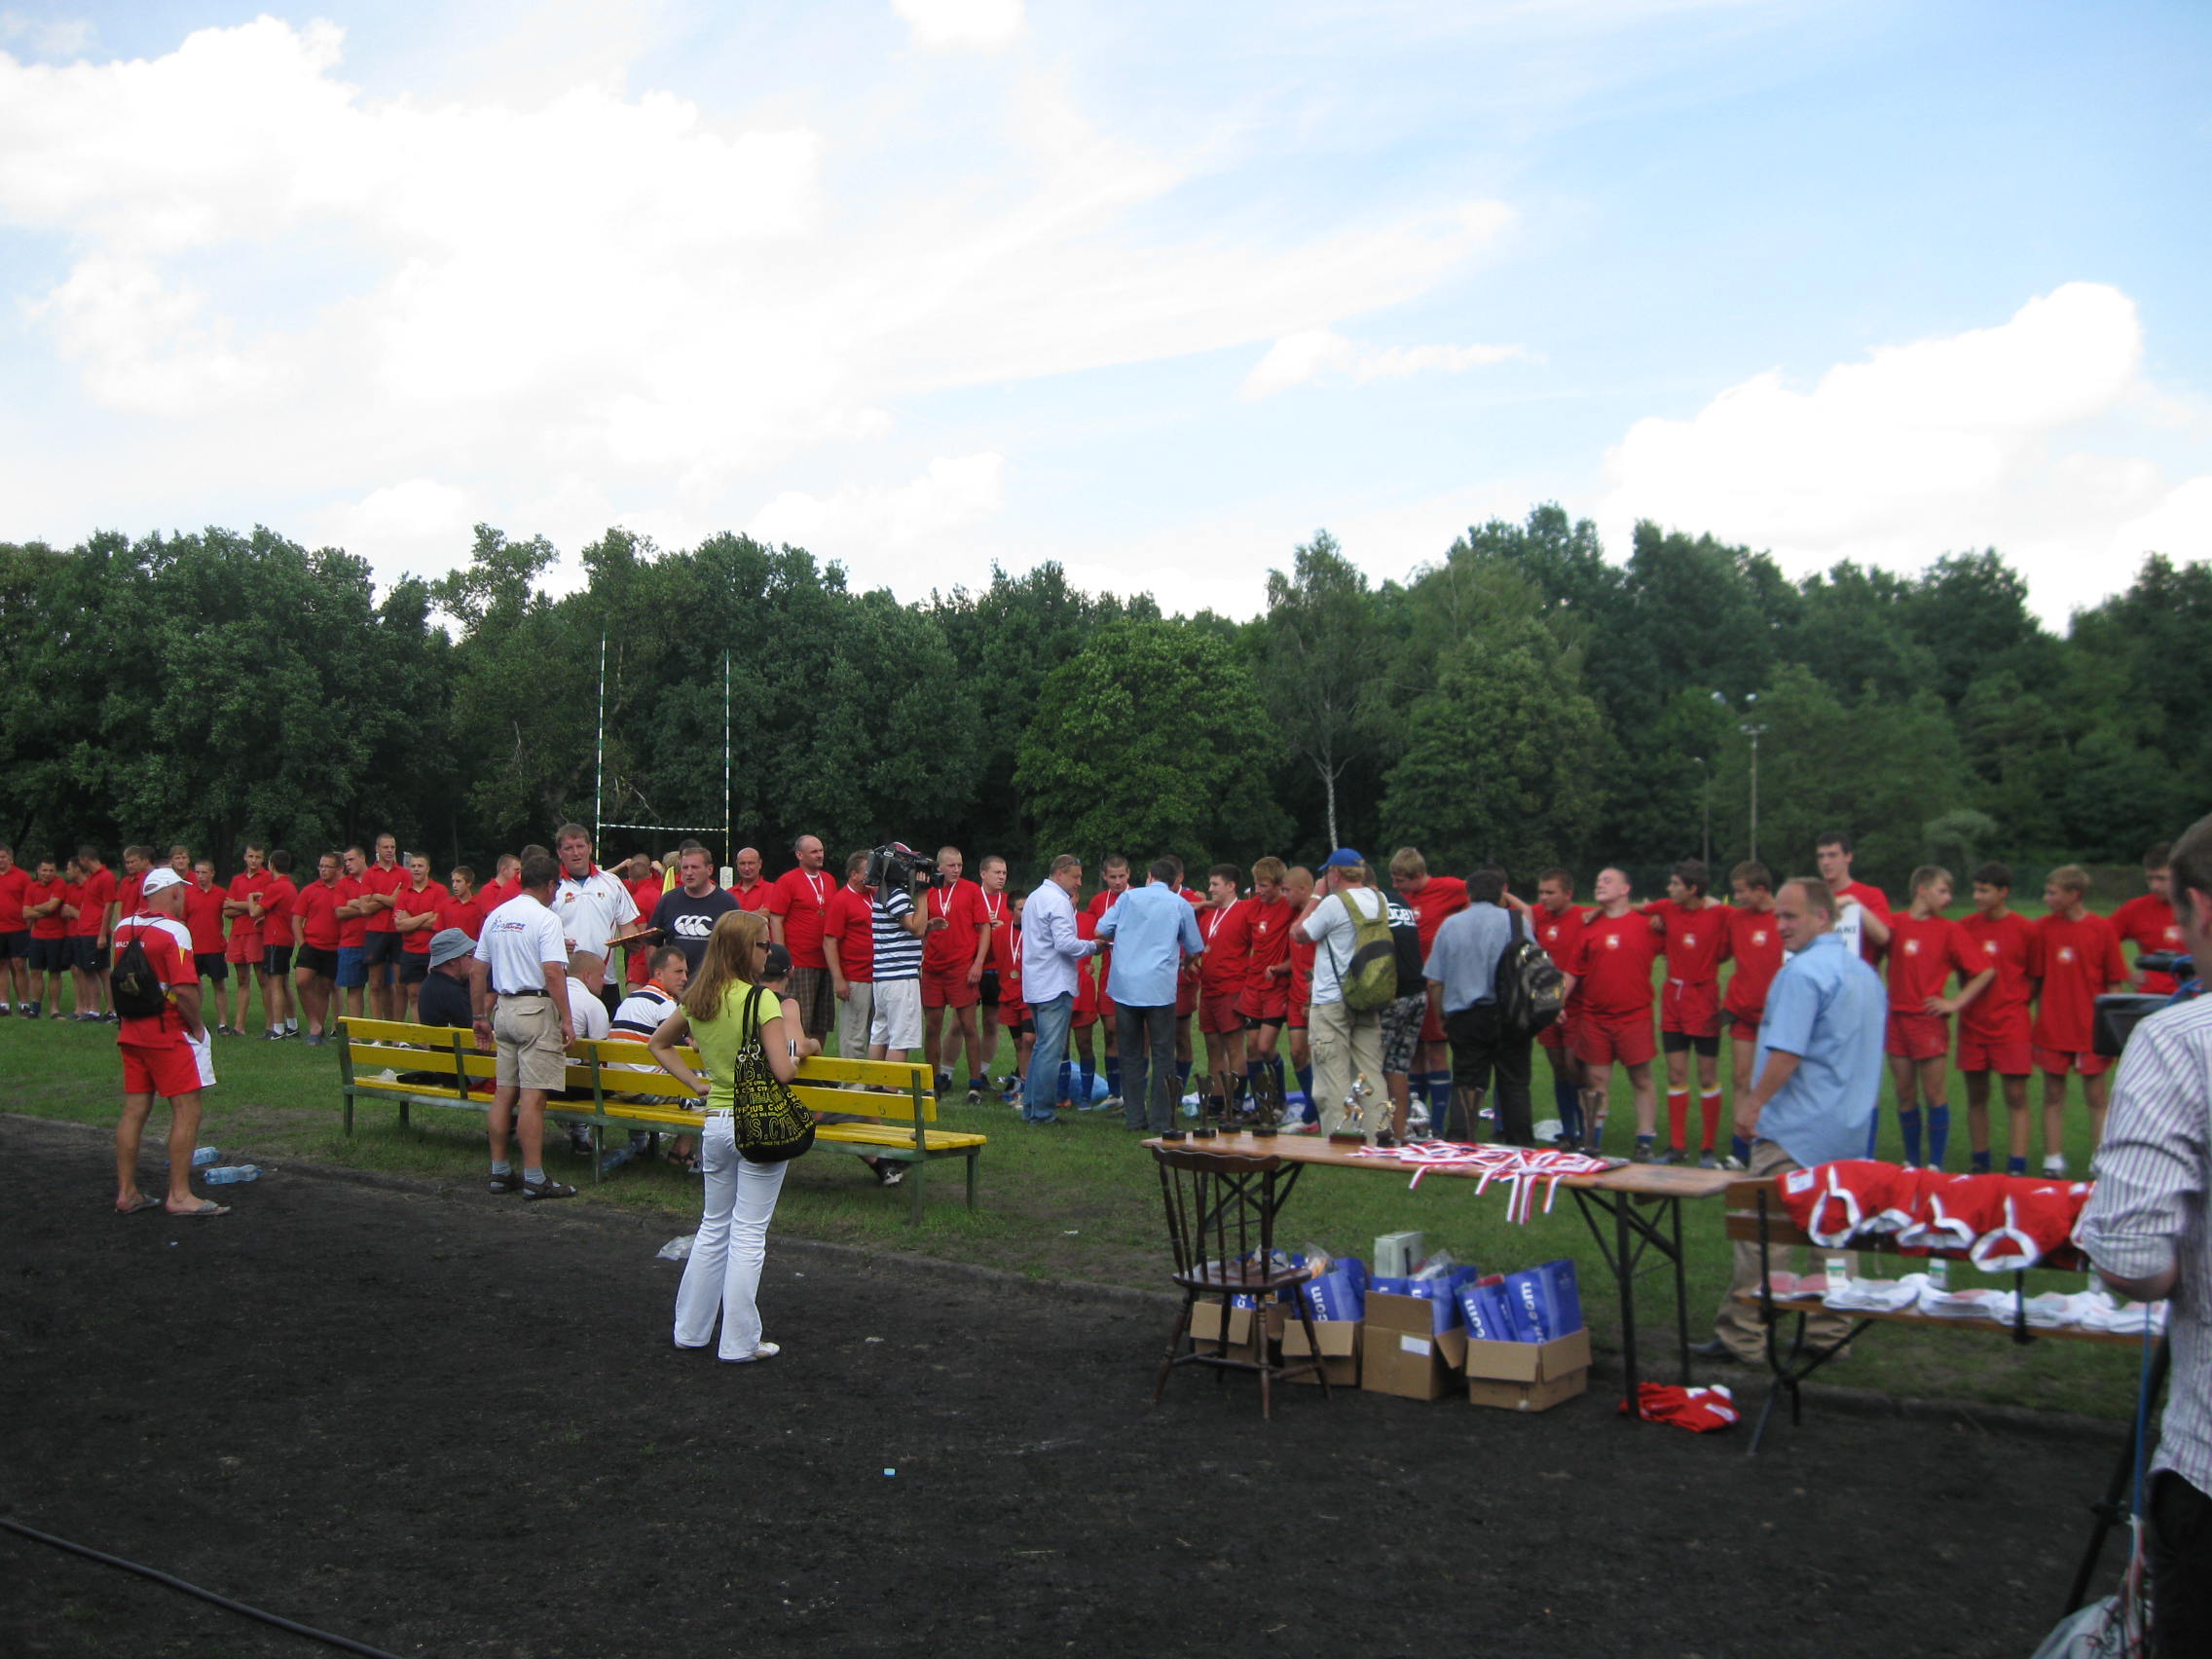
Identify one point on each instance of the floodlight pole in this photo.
(729, 845)
(1752, 727)
(599, 778)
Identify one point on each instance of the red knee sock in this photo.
(1679, 1116)
(1709, 1103)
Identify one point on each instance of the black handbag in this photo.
(769, 1123)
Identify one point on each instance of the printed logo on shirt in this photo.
(694, 926)
(1989, 947)
(1758, 936)
(2173, 936)
(2065, 953)
(1912, 948)
(1612, 942)
(1690, 941)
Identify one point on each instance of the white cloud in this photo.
(961, 26)
(1942, 445)
(869, 528)
(47, 37)
(1314, 355)
(421, 527)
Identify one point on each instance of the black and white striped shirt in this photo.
(2147, 1212)
(897, 952)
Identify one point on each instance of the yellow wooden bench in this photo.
(616, 1082)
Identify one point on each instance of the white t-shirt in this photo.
(519, 938)
(592, 910)
(587, 1014)
(1330, 928)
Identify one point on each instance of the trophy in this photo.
(1359, 1103)
(1211, 1108)
(1267, 1102)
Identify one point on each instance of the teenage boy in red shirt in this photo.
(414, 917)
(2147, 921)
(991, 876)
(1557, 926)
(90, 930)
(1994, 1023)
(1861, 911)
(381, 951)
(43, 900)
(272, 914)
(1114, 882)
(243, 952)
(1264, 1000)
(1297, 888)
(848, 951)
(1431, 897)
(1013, 1011)
(464, 911)
(314, 946)
(958, 940)
(1754, 945)
(1226, 927)
(1611, 975)
(2080, 961)
(1926, 949)
(1694, 930)
(15, 934)
(204, 921)
(158, 1051)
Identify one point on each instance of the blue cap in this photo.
(1343, 858)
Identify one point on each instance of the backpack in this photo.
(139, 993)
(1531, 989)
(1370, 979)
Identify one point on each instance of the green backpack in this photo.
(1371, 978)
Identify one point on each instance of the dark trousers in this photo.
(1147, 1038)
(1481, 1048)
(2178, 1547)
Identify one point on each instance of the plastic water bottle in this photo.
(231, 1174)
(203, 1155)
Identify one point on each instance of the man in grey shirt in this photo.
(1462, 992)
(2145, 1228)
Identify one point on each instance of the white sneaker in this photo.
(766, 1350)
(2055, 1168)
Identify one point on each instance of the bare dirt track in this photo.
(447, 1423)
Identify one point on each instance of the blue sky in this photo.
(1156, 291)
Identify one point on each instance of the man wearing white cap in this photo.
(164, 1043)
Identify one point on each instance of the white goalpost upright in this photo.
(598, 784)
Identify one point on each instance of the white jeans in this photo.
(723, 1269)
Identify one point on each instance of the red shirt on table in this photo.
(1695, 942)
(2012, 947)
(2080, 961)
(168, 951)
(244, 887)
(800, 896)
(753, 898)
(466, 914)
(93, 896)
(316, 908)
(2146, 922)
(1613, 964)
(849, 919)
(1440, 896)
(1227, 936)
(57, 925)
(432, 898)
(352, 930)
(1923, 957)
(953, 947)
(382, 882)
(15, 892)
(204, 919)
(277, 900)
(1754, 942)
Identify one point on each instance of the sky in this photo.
(1156, 291)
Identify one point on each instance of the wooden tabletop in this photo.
(1643, 1180)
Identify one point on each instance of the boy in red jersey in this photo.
(503, 886)
(2080, 961)
(1612, 977)
(1994, 1023)
(158, 1054)
(204, 921)
(314, 946)
(1012, 1013)
(958, 940)
(1226, 926)
(462, 908)
(1431, 897)
(848, 951)
(380, 949)
(1558, 927)
(415, 918)
(1114, 882)
(130, 886)
(1264, 1000)
(1297, 888)
(1862, 912)
(90, 930)
(1695, 932)
(1925, 950)
(271, 912)
(15, 934)
(2147, 921)
(1754, 945)
(990, 880)
(354, 905)
(43, 900)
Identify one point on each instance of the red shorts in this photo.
(245, 946)
(2006, 1059)
(1296, 1016)
(1559, 1034)
(1918, 1036)
(170, 1073)
(1186, 997)
(1105, 1005)
(950, 988)
(2057, 1062)
(1433, 1027)
(1691, 1007)
(1270, 1002)
(1745, 1022)
(1013, 1014)
(1217, 1016)
(1600, 1040)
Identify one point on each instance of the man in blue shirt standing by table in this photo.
(1152, 928)
(1817, 1077)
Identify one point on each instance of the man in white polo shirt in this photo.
(1348, 1042)
(519, 990)
(593, 904)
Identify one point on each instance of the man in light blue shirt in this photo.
(1050, 951)
(1817, 1075)
(1151, 928)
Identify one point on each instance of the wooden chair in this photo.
(1221, 1225)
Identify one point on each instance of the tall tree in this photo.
(1320, 670)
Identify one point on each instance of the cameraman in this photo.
(895, 1024)
(2145, 1228)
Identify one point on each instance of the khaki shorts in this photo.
(528, 1032)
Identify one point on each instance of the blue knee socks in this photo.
(1909, 1122)
(1183, 1075)
(1566, 1101)
(1742, 1148)
(1938, 1133)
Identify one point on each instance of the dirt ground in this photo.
(446, 1423)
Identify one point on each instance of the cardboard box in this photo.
(1339, 1340)
(1206, 1327)
(1528, 1377)
(1403, 1353)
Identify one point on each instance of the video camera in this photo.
(2118, 1012)
(896, 865)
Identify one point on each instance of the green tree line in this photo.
(1522, 698)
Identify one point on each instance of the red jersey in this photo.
(168, 951)
(998, 919)
(1754, 942)
(1923, 957)
(800, 897)
(949, 950)
(131, 895)
(57, 925)
(352, 930)
(1695, 941)
(15, 889)
(432, 897)
(1613, 964)
(2146, 922)
(495, 893)
(645, 893)
(1875, 899)
(277, 900)
(1089, 976)
(242, 887)
(381, 881)
(1440, 896)
(849, 919)
(753, 898)
(2081, 959)
(2014, 947)
(1268, 942)
(1227, 936)
(1301, 953)
(466, 914)
(92, 897)
(316, 907)
(1006, 958)
(204, 919)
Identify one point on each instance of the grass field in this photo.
(1079, 1203)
